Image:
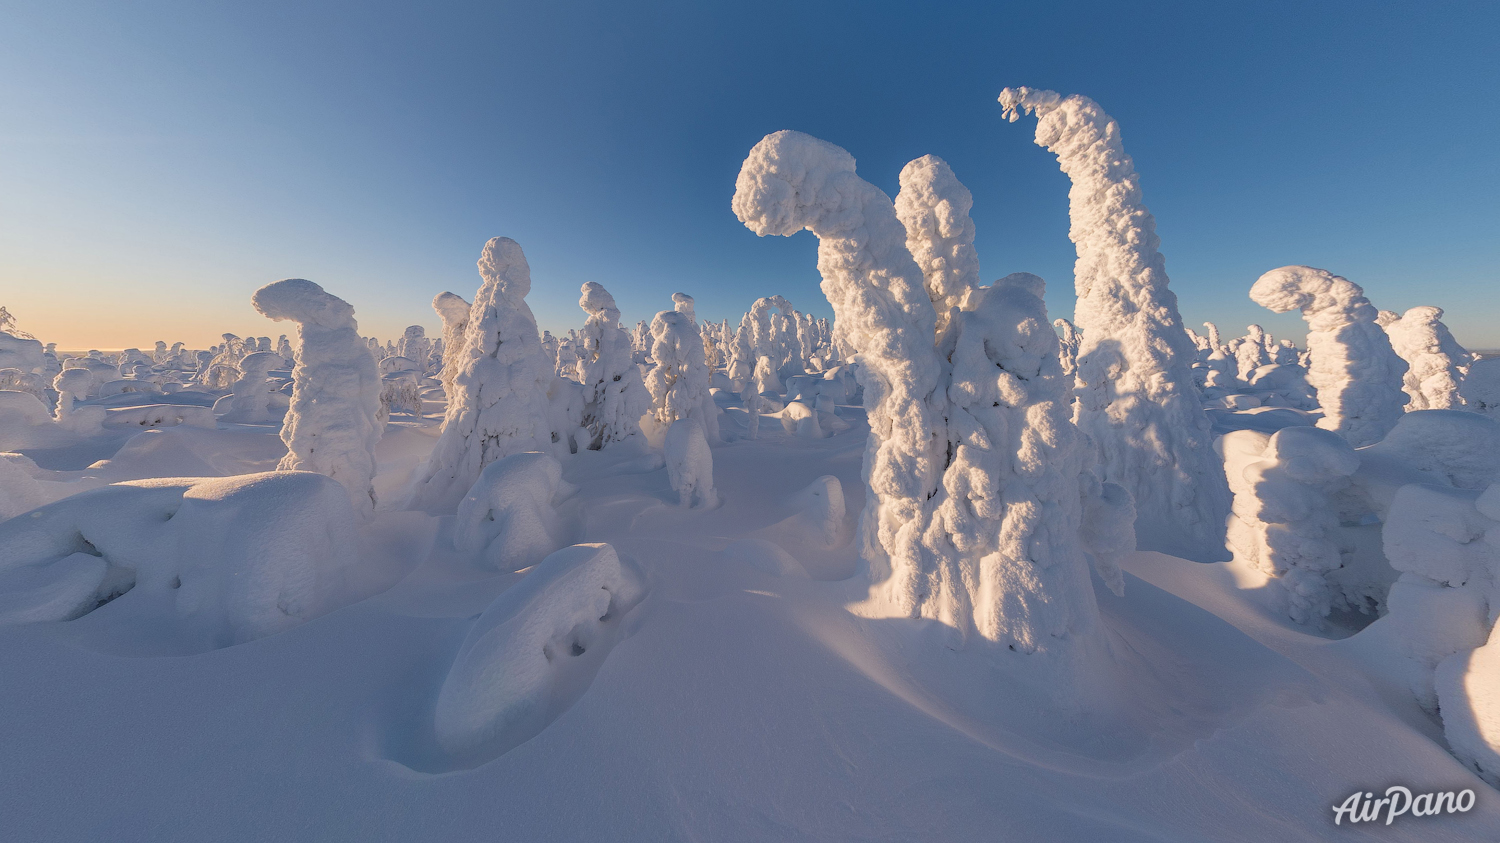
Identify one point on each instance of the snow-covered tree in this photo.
(679, 382)
(1068, 341)
(251, 399)
(1355, 371)
(331, 426)
(956, 485)
(1436, 362)
(415, 346)
(614, 395)
(498, 405)
(454, 311)
(934, 208)
(1136, 394)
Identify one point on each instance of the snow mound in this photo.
(519, 667)
(1481, 387)
(822, 506)
(57, 591)
(236, 558)
(1452, 446)
(508, 517)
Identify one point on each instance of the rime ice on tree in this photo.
(331, 425)
(1136, 396)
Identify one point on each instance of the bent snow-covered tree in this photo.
(957, 484)
(1357, 374)
(454, 312)
(331, 426)
(614, 395)
(498, 405)
(1436, 362)
(1136, 396)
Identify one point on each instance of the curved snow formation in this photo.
(1136, 397)
(498, 404)
(525, 659)
(1357, 374)
(964, 456)
(332, 425)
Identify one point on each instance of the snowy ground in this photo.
(739, 699)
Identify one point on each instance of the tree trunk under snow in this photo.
(1136, 396)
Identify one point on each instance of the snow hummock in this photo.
(1354, 369)
(522, 659)
(331, 426)
(508, 518)
(1136, 394)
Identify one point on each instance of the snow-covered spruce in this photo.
(1353, 367)
(1068, 341)
(331, 426)
(498, 404)
(1285, 520)
(454, 311)
(690, 464)
(614, 394)
(1136, 395)
(933, 535)
(1435, 361)
(508, 518)
(678, 383)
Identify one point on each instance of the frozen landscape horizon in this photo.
(841, 538)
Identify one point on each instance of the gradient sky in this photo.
(159, 162)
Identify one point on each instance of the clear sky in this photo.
(159, 162)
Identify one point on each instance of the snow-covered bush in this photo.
(331, 426)
(1285, 520)
(1435, 360)
(514, 667)
(1354, 369)
(236, 558)
(498, 404)
(508, 519)
(1136, 394)
(690, 464)
(614, 394)
(678, 383)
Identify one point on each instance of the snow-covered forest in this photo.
(943, 567)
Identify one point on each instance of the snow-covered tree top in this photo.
(934, 207)
(503, 264)
(304, 302)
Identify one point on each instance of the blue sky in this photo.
(159, 162)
